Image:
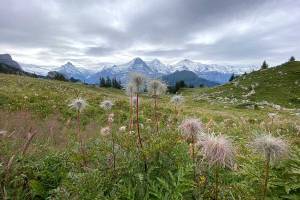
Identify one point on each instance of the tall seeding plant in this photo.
(155, 89)
(191, 129)
(218, 151)
(177, 100)
(138, 82)
(79, 105)
(273, 150)
(130, 92)
(107, 105)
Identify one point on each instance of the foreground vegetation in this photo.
(42, 158)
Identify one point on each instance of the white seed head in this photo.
(156, 88)
(270, 147)
(105, 131)
(217, 150)
(130, 89)
(191, 128)
(78, 104)
(138, 81)
(177, 100)
(106, 105)
(122, 129)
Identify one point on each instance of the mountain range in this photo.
(213, 73)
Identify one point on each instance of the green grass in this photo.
(278, 85)
(52, 168)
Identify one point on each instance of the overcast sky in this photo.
(86, 32)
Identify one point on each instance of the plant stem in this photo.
(217, 183)
(79, 137)
(193, 157)
(138, 130)
(155, 113)
(266, 178)
(131, 120)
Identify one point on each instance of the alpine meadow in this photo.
(159, 126)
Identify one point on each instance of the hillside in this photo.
(277, 85)
(55, 163)
(189, 77)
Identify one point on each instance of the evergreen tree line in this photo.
(107, 82)
(266, 66)
(180, 84)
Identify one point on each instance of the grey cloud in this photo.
(87, 30)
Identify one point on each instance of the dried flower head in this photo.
(130, 89)
(105, 131)
(156, 88)
(270, 147)
(138, 81)
(217, 150)
(122, 129)
(78, 104)
(111, 117)
(191, 128)
(106, 105)
(177, 100)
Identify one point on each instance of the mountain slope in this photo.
(190, 78)
(278, 85)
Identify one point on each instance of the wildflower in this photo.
(78, 104)
(217, 150)
(105, 131)
(271, 147)
(272, 115)
(177, 100)
(110, 118)
(156, 88)
(106, 105)
(130, 89)
(191, 128)
(138, 82)
(122, 129)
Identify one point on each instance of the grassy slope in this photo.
(279, 85)
(47, 97)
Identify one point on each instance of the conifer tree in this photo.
(264, 65)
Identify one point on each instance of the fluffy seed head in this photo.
(217, 150)
(106, 105)
(105, 131)
(156, 88)
(177, 100)
(78, 104)
(138, 81)
(130, 89)
(122, 129)
(111, 118)
(270, 147)
(190, 129)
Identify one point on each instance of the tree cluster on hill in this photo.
(178, 85)
(107, 82)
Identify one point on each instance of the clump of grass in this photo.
(273, 149)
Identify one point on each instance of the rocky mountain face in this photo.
(7, 60)
(153, 69)
(189, 77)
